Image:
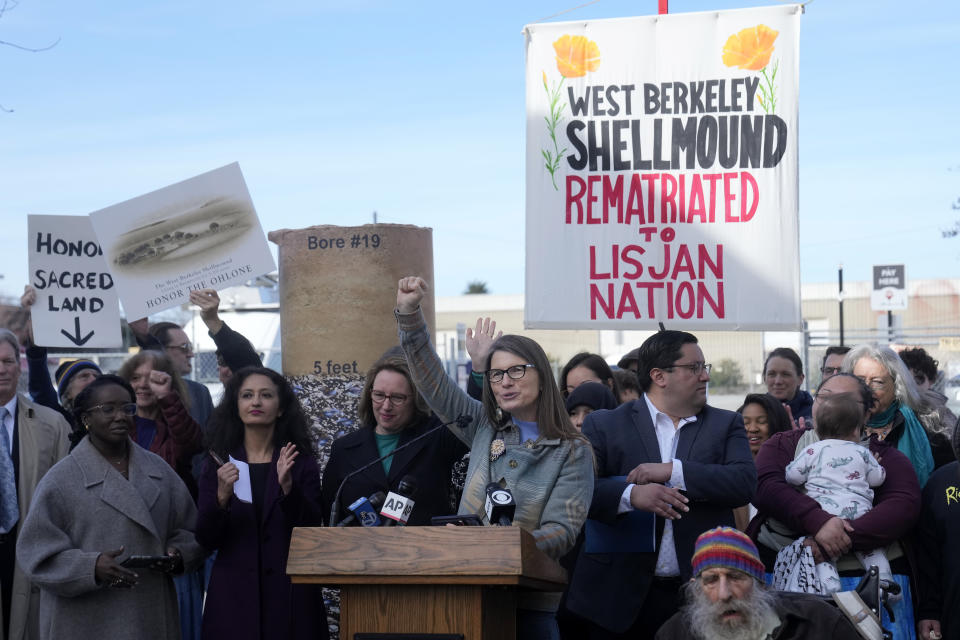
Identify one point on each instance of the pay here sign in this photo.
(661, 171)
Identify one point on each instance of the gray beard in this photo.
(706, 623)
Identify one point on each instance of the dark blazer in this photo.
(250, 594)
(429, 461)
(609, 589)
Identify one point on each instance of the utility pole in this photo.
(840, 299)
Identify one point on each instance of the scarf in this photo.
(913, 442)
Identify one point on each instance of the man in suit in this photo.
(671, 455)
(33, 438)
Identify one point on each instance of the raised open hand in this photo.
(479, 341)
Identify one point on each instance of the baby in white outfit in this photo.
(839, 474)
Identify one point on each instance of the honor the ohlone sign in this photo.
(662, 171)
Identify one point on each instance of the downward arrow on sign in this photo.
(75, 338)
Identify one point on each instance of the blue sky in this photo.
(416, 110)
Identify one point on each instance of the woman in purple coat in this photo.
(260, 423)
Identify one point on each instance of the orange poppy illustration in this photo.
(750, 48)
(576, 55)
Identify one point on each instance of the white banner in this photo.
(662, 172)
(76, 303)
(197, 234)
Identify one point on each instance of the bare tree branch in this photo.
(30, 49)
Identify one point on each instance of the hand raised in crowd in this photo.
(410, 292)
(227, 475)
(29, 297)
(209, 302)
(107, 571)
(833, 538)
(27, 300)
(796, 424)
(161, 383)
(651, 472)
(139, 327)
(656, 498)
(285, 462)
(480, 340)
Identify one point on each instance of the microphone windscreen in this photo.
(407, 486)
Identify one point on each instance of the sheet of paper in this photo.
(241, 488)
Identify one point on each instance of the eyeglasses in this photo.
(515, 372)
(875, 384)
(108, 410)
(694, 367)
(186, 347)
(830, 371)
(395, 399)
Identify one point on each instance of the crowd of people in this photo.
(133, 506)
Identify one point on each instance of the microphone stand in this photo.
(461, 421)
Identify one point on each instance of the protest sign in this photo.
(77, 302)
(197, 234)
(661, 166)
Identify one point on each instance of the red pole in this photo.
(662, 6)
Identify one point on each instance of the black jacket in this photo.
(938, 555)
(428, 461)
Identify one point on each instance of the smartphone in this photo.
(467, 520)
(159, 563)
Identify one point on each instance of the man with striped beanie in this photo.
(727, 599)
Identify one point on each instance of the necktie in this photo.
(9, 508)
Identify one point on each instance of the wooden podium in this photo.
(460, 581)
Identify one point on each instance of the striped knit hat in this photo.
(70, 368)
(727, 548)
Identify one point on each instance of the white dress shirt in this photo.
(667, 437)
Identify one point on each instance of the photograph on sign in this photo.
(77, 303)
(661, 178)
(197, 234)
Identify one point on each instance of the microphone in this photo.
(396, 510)
(500, 505)
(461, 421)
(365, 510)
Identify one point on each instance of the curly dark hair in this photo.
(919, 361)
(82, 403)
(225, 429)
(777, 418)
